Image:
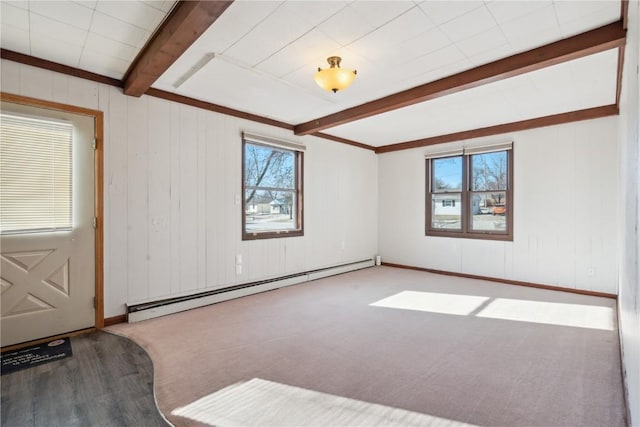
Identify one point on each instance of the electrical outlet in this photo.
(238, 270)
(238, 259)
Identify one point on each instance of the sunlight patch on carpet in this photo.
(519, 310)
(551, 313)
(433, 302)
(259, 402)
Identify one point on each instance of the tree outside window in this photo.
(469, 194)
(272, 191)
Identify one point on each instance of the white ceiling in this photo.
(103, 37)
(265, 54)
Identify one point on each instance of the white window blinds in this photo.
(35, 174)
(272, 142)
(458, 149)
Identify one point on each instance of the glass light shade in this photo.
(334, 78)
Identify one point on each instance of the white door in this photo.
(47, 272)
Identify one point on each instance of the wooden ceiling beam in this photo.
(186, 22)
(555, 119)
(594, 41)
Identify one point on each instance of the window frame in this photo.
(298, 191)
(466, 231)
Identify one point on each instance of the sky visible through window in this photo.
(448, 173)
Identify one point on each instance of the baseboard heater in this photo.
(149, 310)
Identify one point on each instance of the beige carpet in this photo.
(264, 403)
(457, 349)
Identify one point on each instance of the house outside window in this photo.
(271, 188)
(470, 192)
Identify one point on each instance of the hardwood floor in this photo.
(107, 382)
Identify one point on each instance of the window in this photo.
(272, 188)
(469, 192)
(35, 174)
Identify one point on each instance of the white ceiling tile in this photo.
(434, 60)
(477, 21)
(57, 30)
(570, 10)
(70, 13)
(238, 20)
(482, 42)
(537, 39)
(378, 13)
(416, 47)
(278, 30)
(115, 29)
(312, 47)
(444, 11)
(438, 73)
(491, 55)
(164, 6)
(313, 12)
(22, 4)
(14, 16)
(102, 45)
(346, 26)
(596, 84)
(102, 64)
(608, 14)
(257, 87)
(505, 11)
(45, 47)
(14, 39)
(387, 37)
(91, 4)
(133, 12)
(523, 31)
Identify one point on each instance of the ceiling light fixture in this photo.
(334, 78)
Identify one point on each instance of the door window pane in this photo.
(35, 174)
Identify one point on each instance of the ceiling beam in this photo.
(555, 119)
(58, 68)
(343, 140)
(594, 41)
(181, 99)
(186, 22)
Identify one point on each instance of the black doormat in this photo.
(35, 355)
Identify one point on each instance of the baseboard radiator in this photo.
(149, 310)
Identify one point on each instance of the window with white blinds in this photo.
(35, 174)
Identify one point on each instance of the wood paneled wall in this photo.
(565, 211)
(172, 173)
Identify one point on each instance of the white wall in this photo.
(629, 288)
(565, 211)
(171, 176)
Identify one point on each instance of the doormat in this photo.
(35, 355)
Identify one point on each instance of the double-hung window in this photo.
(470, 192)
(271, 187)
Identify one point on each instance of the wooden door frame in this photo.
(98, 190)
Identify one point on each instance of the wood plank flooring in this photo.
(107, 382)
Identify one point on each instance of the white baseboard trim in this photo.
(151, 310)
